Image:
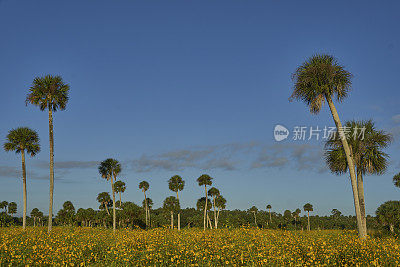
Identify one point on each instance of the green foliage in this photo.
(109, 168)
(396, 180)
(119, 186)
(388, 214)
(171, 204)
(308, 207)
(12, 208)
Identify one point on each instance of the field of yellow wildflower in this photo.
(245, 246)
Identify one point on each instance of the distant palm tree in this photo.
(308, 207)
(144, 186)
(176, 184)
(269, 207)
(254, 210)
(396, 180)
(171, 204)
(49, 92)
(120, 188)
(296, 215)
(19, 140)
(220, 203)
(109, 169)
(104, 198)
(214, 192)
(35, 213)
(4, 205)
(12, 208)
(367, 154)
(205, 180)
(319, 79)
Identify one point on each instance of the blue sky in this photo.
(192, 87)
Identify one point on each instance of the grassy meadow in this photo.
(80, 246)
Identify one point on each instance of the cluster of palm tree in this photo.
(9, 208)
(51, 93)
(320, 79)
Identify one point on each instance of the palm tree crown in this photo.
(319, 77)
(171, 204)
(22, 138)
(396, 180)
(366, 150)
(205, 180)
(109, 167)
(308, 207)
(176, 183)
(48, 92)
(144, 185)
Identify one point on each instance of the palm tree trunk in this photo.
(24, 188)
(209, 221)
(179, 213)
(205, 207)
(51, 139)
(114, 213)
(361, 231)
(216, 225)
(145, 208)
(105, 205)
(172, 220)
(308, 221)
(215, 213)
(120, 199)
(270, 218)
(360, 188)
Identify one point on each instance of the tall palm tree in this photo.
(320, 79)
(120, 188)
(176, 184)
(51, 93)
(144, 186)
(367, 154)
(213, 193)
(220, 203)
(205, 180)
(109, 169)
(254, 210)
(20, 140)
(104, 198)
(308, 207)
(269, 207)
(171, 204)
(396, 180)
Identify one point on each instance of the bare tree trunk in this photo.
(308, 221)
(51, 138)
(24, 188)
(360, 188)
(120, 199)
(172, 220)
(113, 194)
(361, 231)
(205, 207)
